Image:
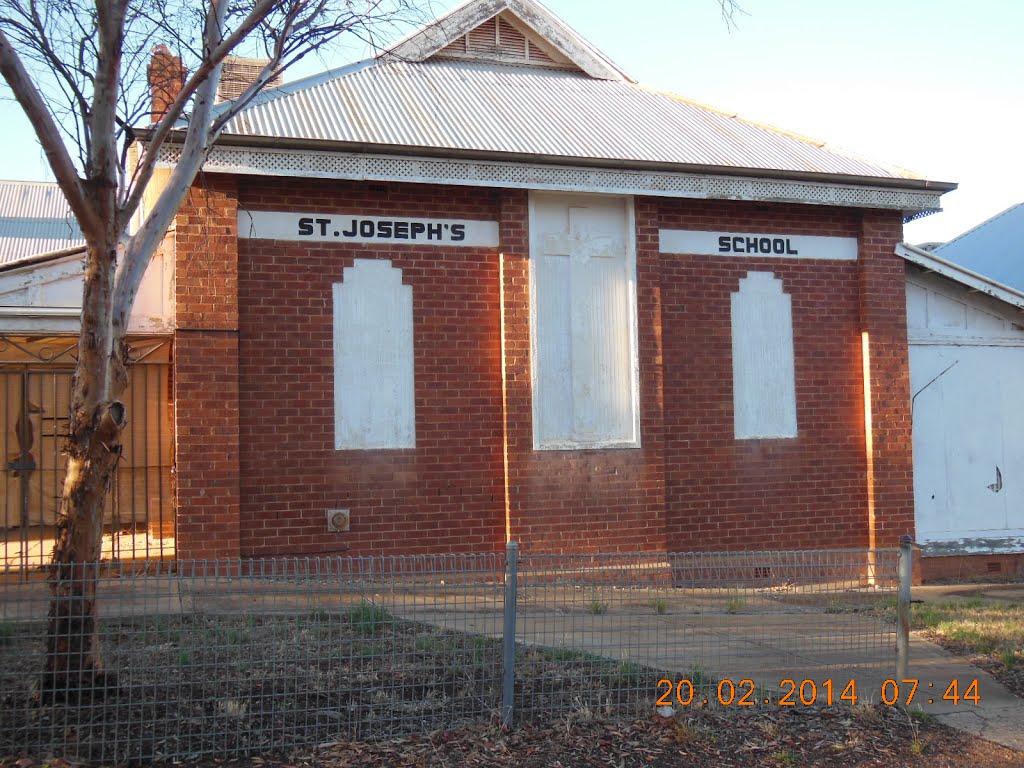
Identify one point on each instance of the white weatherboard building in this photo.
(966, 337)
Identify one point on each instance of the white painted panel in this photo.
(760, 245)
(974, 438)
(374, 392)
(967, 425)
(583, 322)
(931, 494)
(985, 323)
(764, 383)
(944, 312)
(1011, 367)
(355, 228)
(47, 297)
(917, 307)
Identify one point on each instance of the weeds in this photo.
(785, 757)
(867, 714)
(627, 674)
(660, 605)
(925, 718)
(982, 626)
(598, 607)
(1009, 658)
(735, 605)
(567, 654)
(367, 618)
(699, 677)
(916, 718)
(684, 733)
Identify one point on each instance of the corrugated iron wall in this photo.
(138, 521)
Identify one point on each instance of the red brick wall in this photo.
(446, 495)
(206, 372)
(991, 567)
(256, 457)
(884, 317)
(608, 500)
(724, 493)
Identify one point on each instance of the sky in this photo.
(933, 86)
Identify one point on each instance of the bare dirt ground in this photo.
(713, 736)
(869, 737)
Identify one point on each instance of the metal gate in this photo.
(35, 389)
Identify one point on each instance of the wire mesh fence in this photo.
(249, 657)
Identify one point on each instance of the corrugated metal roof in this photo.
(488, 107)
(994, 248)
(34, 218)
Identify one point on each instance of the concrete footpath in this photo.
(1000, 715)
(769, 648)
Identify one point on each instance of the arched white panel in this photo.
(583, 322)
(374, 391)
(763, 377)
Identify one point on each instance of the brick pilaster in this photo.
(206, 372)
(884, 321)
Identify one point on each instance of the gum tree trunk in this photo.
(74, 663)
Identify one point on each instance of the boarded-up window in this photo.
(763, 378)
(373, 358)
(583, 322)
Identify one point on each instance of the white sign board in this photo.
(758, 245)
(355, 228)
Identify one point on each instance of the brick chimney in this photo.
(238, 73)
(166, 78)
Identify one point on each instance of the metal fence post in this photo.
(905, 570)
(508, 679)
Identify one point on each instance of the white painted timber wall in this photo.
(967, 380)
(374, 389)
(583, 322)
(47, 297)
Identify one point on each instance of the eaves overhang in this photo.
(277, 156)
(76, 252)
(966, 277)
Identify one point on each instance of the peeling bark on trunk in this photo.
(73, 661)
(74, 666)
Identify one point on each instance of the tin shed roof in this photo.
(994, 248)
(505, 81)
(35, 218)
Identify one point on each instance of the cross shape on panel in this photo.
(583, 242)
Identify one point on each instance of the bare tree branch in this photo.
(48, 134)
(213, 58)
(193, 153)
(730, 10)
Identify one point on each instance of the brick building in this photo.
(486, 286)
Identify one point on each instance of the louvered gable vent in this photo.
(505, 39)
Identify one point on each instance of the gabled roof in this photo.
(565, 116)
(35, 219)
(505, 82)
(994, 248)
(523, 17)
